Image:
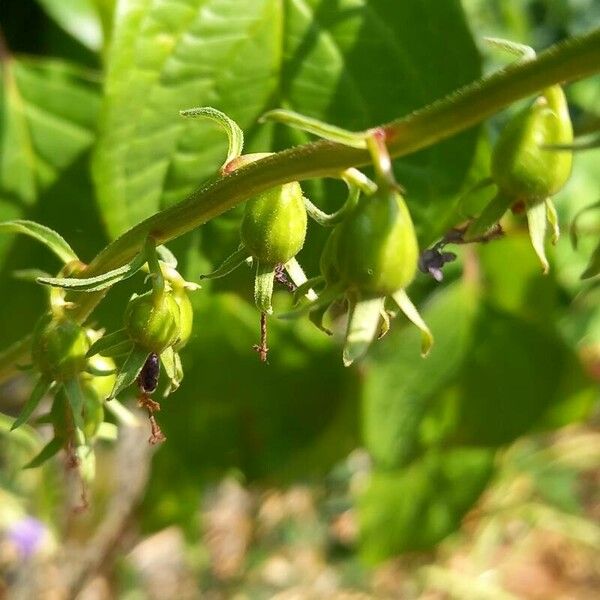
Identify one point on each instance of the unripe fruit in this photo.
(274, 224)
(522, 167)
(59, 348)
(186, 318)
(153, 323)
(376, 248)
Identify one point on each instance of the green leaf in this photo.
(400, 386)
(76, 401)
(107, 342)
(129, 371)
(593, 267)
(50, 238)
(511, 380)
(40, 389)
(48, 118)
(416, 507)
(80, 18)
(100, 282)
(52, 448)
(244, 58)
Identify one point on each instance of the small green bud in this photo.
(59, 347)
(522, 167)
(274, 224)
(153, 322)
(376, 247)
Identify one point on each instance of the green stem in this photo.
(574, 59)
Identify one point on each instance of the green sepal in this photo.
(331, 220)
(40, 389)
(76, 401)
(263, 287)
(234, 133)
(576, 146)
(537, 222)
(408, 308)
(99, 372)
(552, 218)
(298, 277)
(593, 267)
(100, 282)
(519, 50)
(491, 214)
(307, 287)
(129, 371)
(52, 448)
(574, 232)
(170, 359)
(363, 323)
(118, 350)
(107, 343)
(230, 264)
(29, 275)
(166, 256)
(384, 323)
(327, 296)
(316, 318)
(319, 128)
(50, 238)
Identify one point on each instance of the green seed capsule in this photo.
(186, 321)
(376, 248)
(59, 348)
(522, 167)
(274, 224)
(153, 323)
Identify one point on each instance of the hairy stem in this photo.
(574, 59)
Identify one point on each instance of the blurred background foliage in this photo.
(91, 143)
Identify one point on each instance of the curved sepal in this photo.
(408, 308)
(129, 371)
(234, 133)
(490, 215)
(552, 217)
(263, 287)
(107, 344)
(363, 324)
(40, 389)
(231, 263)
(537, 222)
(52, 448)
(316, 127)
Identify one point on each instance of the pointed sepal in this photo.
(263, 287)
(536, 220)
(230, 264)
(52, 448)
(408, 308)
(552, 217)
(363, 323)
(107, 344)
(490, 215)
(129, 371)
(40, 389)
